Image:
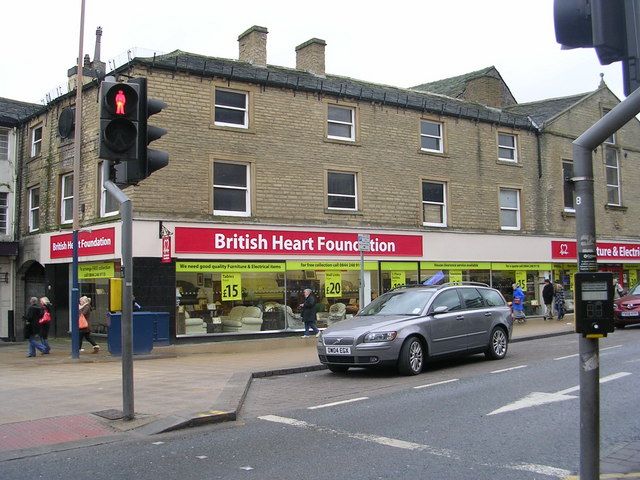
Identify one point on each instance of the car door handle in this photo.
(487, 314)
(460, 317)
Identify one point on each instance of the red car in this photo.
(627, 308)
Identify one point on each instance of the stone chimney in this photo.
(310, 56)
(90, 70)
(253, 46)
(97, 64)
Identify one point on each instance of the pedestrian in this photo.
(517, 305)
(31, 317)
(84, 324)
(618, 291)
(548, 293)
(558, 301)
(309, 313)
(45, 322)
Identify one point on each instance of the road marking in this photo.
(609, 348)
(541, 398)
(541, 469)
(612, 476)
(342, 402)
(386, 441)
(568, 356)
(437, 383)
(509, 369)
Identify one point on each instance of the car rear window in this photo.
(401, 302)
(472, 299)
(492, 298)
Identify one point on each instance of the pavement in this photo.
(53, 400)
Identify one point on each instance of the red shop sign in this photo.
(95, 242)
(605, 250)
(166, 249)
(284, 242)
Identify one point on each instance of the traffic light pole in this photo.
(127, 292)
(589, 353)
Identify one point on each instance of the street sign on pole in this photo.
(364, 242)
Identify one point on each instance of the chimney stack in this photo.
(310, 56)
(253, 46)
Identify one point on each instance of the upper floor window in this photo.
(434, 204)
(4, 213)
(4, 144)
(431, 136)
(108, 204)
(231, 108)
(34, 209)
(507, 147)
(66, 198)
(36, 141)
(568, 186)
(231, 193)
(509, 209)
(612, 169)
(612, 138)
(342, 191)
(341, 123)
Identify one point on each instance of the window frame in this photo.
(568, 184)
(36, 145)
(104, 195)
(440, 138)
(616, 168)
(356, 190)
(611, 140)
(34, 210)
(4, 213)
(515, 158)
(517, 209)
(247, 189)
(352, 123)
(245, 124)
(443, 205)
(4, 144)
(63, 200)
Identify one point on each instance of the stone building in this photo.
(275, 173)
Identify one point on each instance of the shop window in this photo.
(66, 198)
(231, 192)
(342, 191)
(431, 137)
(434, 205)
(341, 123)
(509, 209)
(231, 108)
(34, 209)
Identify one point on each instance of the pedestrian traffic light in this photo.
(611, 27)
(119, 115)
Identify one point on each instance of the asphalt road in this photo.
(468, 419)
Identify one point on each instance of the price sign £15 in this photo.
(231, 284)
(333, 284)
(398, 279)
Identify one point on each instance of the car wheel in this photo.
(498, 344)
(411, 357)
(338, 368)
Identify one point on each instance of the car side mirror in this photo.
(440, 309)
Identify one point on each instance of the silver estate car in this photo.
(408, 325)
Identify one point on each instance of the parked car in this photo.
(627, 308)
(408, 325)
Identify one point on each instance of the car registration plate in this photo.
(629, 314)
(338, 350)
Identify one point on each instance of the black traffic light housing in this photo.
(611, 27)
(119, 115)
(149, 160)
(593, 303)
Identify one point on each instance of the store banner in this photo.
(198, 267)
(320, 266)
(96, 270)
(606, 251)
(193, 240)
(166, 249)
(90, 242)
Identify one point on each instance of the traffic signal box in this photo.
(593, 303)
(125, 133)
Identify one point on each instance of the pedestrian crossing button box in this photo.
(593, 303)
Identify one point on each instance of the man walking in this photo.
(309, 313)
(547, 297)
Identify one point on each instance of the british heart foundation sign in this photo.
(284, 242)
(94, 242)
(606, 251)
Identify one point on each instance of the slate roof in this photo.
(455, 86)
(12, 112)
(341, 87)
(543, 111)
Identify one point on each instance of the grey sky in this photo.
(401, 43)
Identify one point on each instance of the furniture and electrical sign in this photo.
(90, 242)
(230, 267)
(284, 242)
(565, 250)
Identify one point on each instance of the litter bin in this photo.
(143, 332)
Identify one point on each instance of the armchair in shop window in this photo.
(294, 320)
(337, 312)
(194, 326)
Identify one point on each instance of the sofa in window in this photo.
(194, 325)
(242, 319)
